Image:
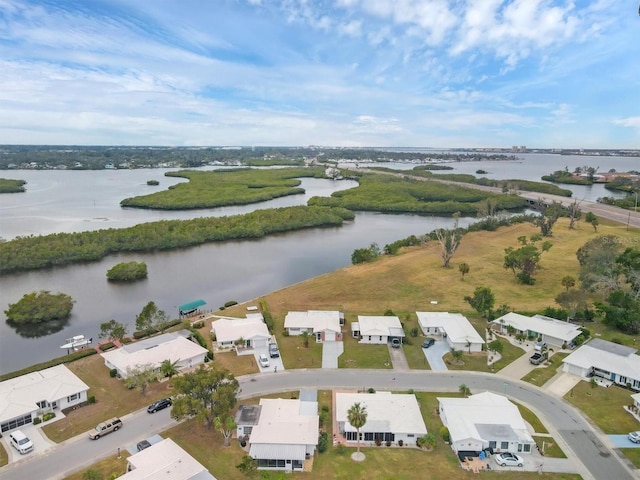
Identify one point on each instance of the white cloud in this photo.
(631, 122)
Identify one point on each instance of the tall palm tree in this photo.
(357, 416)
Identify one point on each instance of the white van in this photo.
(20, 442)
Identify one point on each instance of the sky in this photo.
(352, 73)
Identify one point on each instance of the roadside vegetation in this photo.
(222, 188)
(8, 185)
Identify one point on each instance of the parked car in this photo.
(159, 405)
(509, 460)
(634, 436)
(428, 342)
(395, 342)
(20, 442)
(264, 360)
(103, 428)
(538, 357)
(540, 346)
(273, 350)
(142, 445)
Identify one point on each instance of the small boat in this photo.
(76, 342)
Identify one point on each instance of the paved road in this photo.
(572, 431)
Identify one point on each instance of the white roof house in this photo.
(252, 330)
(458, 331)
(377, 329)
(485, 420)
(553, 331)
(165, 460)
(54, 388)
(324, 324)
(175, 347)
(286, 433)
(390, 417)
(606, 360)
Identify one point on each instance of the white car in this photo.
(20, 442)
(509, 460)
(634, 436)
(264, 360)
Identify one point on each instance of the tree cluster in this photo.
(525, 260)
(127, 272)
(40, 307)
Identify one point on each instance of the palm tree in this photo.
(464, 390)
(305, 339)
(456, 354)
(169, 368)
(357, 416)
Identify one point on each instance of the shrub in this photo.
(198, 324)
(371, 390)
(341, 449)
(388, 443)
(37, 421)
(378, 442)
(400, 443)
(322, 418)
(323, 442)
(51, 363)
(91, 400)
(48, 416)
(107, 346)
(444, 433)
(230, 303)
(113, 373)
(126, 340)
(414, 332)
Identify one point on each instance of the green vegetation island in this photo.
(12, 186)
(127, 272)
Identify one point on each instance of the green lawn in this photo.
(531, 418)
(4, 457)
(106, 467)
(604, 406)
(632, 454)
(551, 448)
(363, 355)
(541, 375)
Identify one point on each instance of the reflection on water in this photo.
(37, 330)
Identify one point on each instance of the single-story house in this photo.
(286, 434)
(554, 332)
(485, 421)
(253, 331)
(167, 461)
(391, 417)
(636, 400)
(175, 347)
(454, 327)
(605, 360)
(324, 325)
(377, 329)
(29, 396)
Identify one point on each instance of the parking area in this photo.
(434, 354)
(40, 443)
(275, 363)
(330, 353)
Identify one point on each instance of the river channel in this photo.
(63, 201)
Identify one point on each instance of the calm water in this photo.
(65, 201)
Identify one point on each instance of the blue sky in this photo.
(431, 73)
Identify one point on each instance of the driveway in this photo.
(519, 367)
(330, 353)
(40, 443)
(434, 354)
(398, 359)
(275, 364)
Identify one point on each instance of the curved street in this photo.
(566, 424)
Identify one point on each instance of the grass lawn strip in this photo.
(604, 406)
(550, 447)
(541, 375)
(4, 456)
(106, 467)
(633, 454)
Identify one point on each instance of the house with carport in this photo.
(556, 333)
(324, 325)
(24, 398)
(286, 433)
(485, 421)
(607, 362)
(175, 347)
(452, 327)
(252, 331)
(391, 417)
(377, 329)
(165, 460)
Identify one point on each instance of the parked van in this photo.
(105, 427)
(20, 442)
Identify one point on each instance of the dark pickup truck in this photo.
(538, 357)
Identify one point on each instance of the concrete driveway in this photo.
(434, 354)
(398, 359)
(330, 353)
(274, 363)
(40, 443)
(622, 441)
